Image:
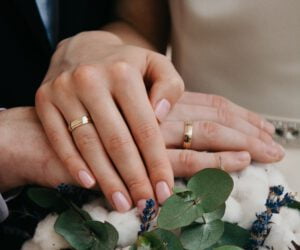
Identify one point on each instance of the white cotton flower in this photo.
(280, 237)
(233, 212)
(96, 210)
(275, 178)
(46, 238)
(291, 219)
(250, 207)
(297, 236)
(235, 177)
(127, 224)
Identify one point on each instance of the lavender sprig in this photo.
(261, 226)
(147, 216)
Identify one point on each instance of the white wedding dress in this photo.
(249, 52)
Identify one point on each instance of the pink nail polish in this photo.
(162, 191)
(86, 180)
(243, 156)
(162, 109)
(121, 203)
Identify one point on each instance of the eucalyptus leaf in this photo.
(107, 235)
(294, 205)
(177, 212)
(201, 236)
(212, 187)
(234, 235)
(215, 215)
(47, 198)
(170, 240)
(228, 248)
(83, 234)
(148, 241)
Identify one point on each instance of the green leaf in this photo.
(294, 205)
(212, 187)
(83, 234)
(212, 216)
(47, 198)
(201, 236)
(159, 239)
(234, 235)
(107, 235)
(178, 212)
(228, 248)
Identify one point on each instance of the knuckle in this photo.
(218, 102)
(188, 159)
(60, 84)
(83, 76)
(136, 184)
(54, 136)
(145, 132)
(209, 129)
(225, 116)
(68, 160)
(118, 142)
(121, 70)
(86, 140)
(41, 95)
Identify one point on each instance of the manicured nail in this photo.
(86, 179)
(121, 203)
(162, 109)
(162, 191)
(243, 156)
(141, 204)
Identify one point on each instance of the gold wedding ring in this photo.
(188, 133)
(79, 122)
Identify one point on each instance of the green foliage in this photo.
(201, 236)
(295, 205)
(158, 239)
(83, 234)
(228, 248)
(48, 198)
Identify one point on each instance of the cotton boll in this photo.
(255, 170)
(127, 225)
(250, 187)
(45, 236)
(280, 237)
(276, 178)
(179, 183)
(233, 212)
(291, 218)
(250, 207)
(96, 210)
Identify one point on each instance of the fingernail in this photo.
(120, 202)
(270, 128)
(281, 150)
(243, 156)
(162, 109)
(141, 204)
(162, 191)
(86, 179)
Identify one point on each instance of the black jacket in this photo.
(25, 49)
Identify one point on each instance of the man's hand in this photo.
(95, 74)
(26, 155)
(221, 127)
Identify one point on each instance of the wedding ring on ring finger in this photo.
(188, 134)
(79, 122)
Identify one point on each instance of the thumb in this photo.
(166, 84)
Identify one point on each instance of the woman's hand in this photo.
(26, 154)
(94, 74)
(221, 127)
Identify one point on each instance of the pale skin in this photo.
(103, 74)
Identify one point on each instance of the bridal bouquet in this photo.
(252, 209)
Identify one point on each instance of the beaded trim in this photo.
(287, 132)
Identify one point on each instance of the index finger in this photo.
(220, 102)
